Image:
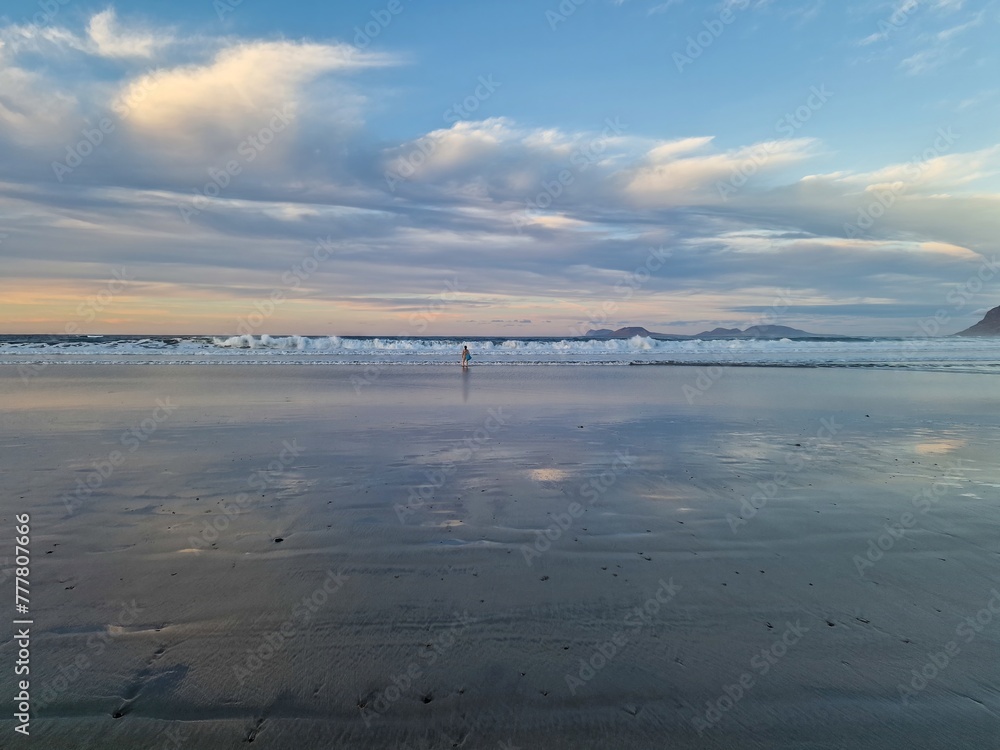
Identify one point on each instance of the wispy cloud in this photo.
(954, 31)
(928, 60)
(110, 39)
(805, 13)
(949, 6)
(662, 7)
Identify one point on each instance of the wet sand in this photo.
(547, 557)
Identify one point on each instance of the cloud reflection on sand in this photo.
(939, 447)
(548, 475)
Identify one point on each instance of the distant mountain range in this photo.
(988, 326)
(753, 332)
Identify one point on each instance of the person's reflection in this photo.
(465, 384)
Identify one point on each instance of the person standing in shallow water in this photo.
(466, 356)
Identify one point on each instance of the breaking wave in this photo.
(976, 354)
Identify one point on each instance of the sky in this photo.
(498, 167)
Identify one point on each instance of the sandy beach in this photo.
(533, 557)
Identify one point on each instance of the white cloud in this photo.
(756, 241)
(670, 150)
(500, 160)
(979, 99)
(938, 48)
(953, 31)
(928, 60)
(111, 40)
(626, 192)
(663, 7)
(739, 5)
(196, 109)
(878, 36)
(934, 173)
(33, 112)
(668, 177)
(949, 6)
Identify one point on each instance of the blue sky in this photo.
(471, 167)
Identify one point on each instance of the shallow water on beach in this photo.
(543, 556)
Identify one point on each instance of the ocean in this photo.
(919, 353)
